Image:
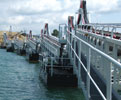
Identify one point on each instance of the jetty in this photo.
(85, 55)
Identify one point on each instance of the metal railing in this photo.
(100, 41)
(111, 31)
(53, 48)
(18, 43)
(52, 42)
(50, 48)
(31, 44)
(90, 52)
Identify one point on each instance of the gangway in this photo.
(50, 43)
(85, 53)
(32, 49)
(95, 50)
(20, 46)
(7, 43)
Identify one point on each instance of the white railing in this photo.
(52, 42)
(100, 41)
(5, 38)
(104, 30)
(18, 43)
(32, 44)
(104, 43)
(89, 51)
(50, 48)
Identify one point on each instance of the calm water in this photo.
(19, 80)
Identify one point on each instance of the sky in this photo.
(33, 14)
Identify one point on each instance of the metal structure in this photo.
(95, 50)
(88, 59)
(89, 53)
(20, 47)
(9, 44)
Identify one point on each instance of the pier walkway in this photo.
(86, 55)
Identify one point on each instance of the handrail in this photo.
(51, 47)
(106, 24)
(107, 57)
(52, 42)
(18, 42)
(32, 42)
(116, 41)
(100, 52)
(88, 73)
(111, 29)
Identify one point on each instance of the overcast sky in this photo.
(32, 14)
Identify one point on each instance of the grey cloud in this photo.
(100, 10)
(35, 19)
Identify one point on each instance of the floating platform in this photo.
(2, 47)
(32, 57)
(62, 76)
(21, 52)
(10, 49)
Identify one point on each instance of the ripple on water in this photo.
(19, 80)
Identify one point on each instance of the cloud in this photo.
(103, 6)
(41, 11)
(33, 14)
(15, 19)
(34, 7)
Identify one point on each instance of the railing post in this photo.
(71, 45)
(95, 29)
(88, 70)
(105, 50)
(69, 40)
(75, 51)
(103, 30)
(67, 36)
(79, 64)
(115, 51)
(112, 32)
(109, 81)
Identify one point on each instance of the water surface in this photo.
(19, 80)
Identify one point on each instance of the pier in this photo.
(84, 55)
